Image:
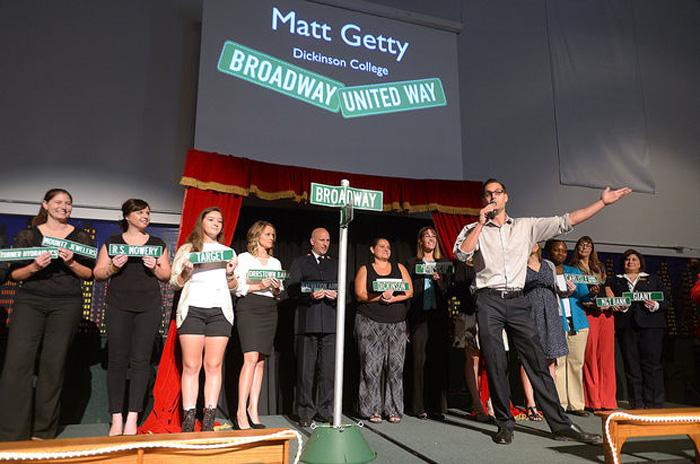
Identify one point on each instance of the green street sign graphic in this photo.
(214, 256)
(338, 196)
(430, 268)
(391, 97)
(316, 285)
(396, 285)
(260, 274)
(280, 76)
(612, 301)
(21, 254)
(75, 247)
(643, 296)
(135, 250)
(582, 279)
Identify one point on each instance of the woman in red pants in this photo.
(599, 362)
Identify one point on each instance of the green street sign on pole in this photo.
(643, 296)
(336, 443)
(337, 196)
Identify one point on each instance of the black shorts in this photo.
(209, 322)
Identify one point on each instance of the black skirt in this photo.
(256, 323)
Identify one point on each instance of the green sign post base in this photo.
(341, 445)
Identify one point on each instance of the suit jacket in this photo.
(312, 316)
(415, 308)
(637, 312)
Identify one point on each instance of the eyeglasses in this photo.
(585, 245)
(495, 193)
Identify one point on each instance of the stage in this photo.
(460, 440)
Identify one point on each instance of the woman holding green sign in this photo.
(133, 310)
(428, 325)
(599, 364)
(380, 329)
(47, 309)
(640, 329)
(204, 315)
(260, 278)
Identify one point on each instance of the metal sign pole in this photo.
(336, 443)
(340, 318)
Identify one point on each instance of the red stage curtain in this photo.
(165, 415)
(230, 174)
(448, 226)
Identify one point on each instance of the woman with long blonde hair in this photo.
(256, 315)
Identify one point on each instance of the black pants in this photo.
(37, 322)
(493, 315)
(315, 364)
(642, 351)
(429, 345)
(130, 337)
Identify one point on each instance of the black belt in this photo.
(505, 294)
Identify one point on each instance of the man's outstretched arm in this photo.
(608, 197)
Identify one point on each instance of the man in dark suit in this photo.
(313, 281)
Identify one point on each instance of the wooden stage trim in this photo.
(648, 423)
(266, 446)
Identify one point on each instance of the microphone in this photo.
(491, 214)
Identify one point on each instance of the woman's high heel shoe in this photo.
(253, 424)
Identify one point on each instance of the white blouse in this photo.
(246, 262)
(207, 288)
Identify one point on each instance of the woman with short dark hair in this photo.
(380, 329)
(133, 312)
(640, 330)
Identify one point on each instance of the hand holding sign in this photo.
(119, 261)
(65, 254)
(387, 295)
(187, 268)
(650, 304)
(330, 294)
(318, 294)
(231, 265)
(150, 262)
(42, 260)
